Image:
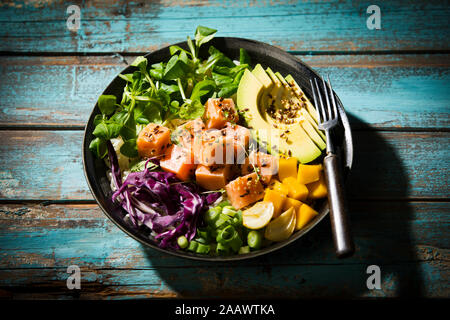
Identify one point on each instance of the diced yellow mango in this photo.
(292, 203)
(318, 189)
(308, 173)
(277, 198)
(297, 190)
(287, 167)
(278, 186)
(305, 215)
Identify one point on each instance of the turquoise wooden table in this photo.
(393, 81)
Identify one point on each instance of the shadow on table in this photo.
(309, 268)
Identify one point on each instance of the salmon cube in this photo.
(189, 135)
(240, 136)
(266, 164)
(220, 111)
(180, 161)
(213, 177)
(244, 191)
(153, 140)
(195, 126)
(216, 148)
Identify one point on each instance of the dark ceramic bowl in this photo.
(268, 56)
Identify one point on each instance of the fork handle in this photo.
(342, 237)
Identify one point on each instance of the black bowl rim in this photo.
(184, 254)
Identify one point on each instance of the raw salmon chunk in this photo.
(220, 111)
(213, 177)
(189, 135)
(266, 164)
(180, 161)
(153, 140)
(216, 148)
(244, 191)
(240, 137)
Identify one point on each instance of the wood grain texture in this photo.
(45, 165)
(394, 80)
(39, 242)
(382, 91)
(141, 26)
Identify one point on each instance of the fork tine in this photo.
(324, 115)
(330, 115)
(315, 101)
(332, 98)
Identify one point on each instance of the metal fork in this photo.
(328, 119)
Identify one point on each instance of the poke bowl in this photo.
(203, 209)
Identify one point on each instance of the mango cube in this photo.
(277, 198)
(287, 167)
(305, 215)
(297, 190)
(278, 186)
(292, 203)
(309, 173)
(318, 189)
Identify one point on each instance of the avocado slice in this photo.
(267, 83)
(308, 124)
(301, 95)
(277, 90)
(312, 133)
(282, 80)
(248, 95)
(291, 139)
(305, 114)
(262, 77)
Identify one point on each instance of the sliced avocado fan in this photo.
(306, 121)
(286, 138)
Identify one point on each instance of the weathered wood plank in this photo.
(56, 236)
(44, 165)
(39, 243)
(380, 90)
(142, 26)
(392, 165)
(342, 281)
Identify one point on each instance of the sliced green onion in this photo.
(182, 242)
(213, 214)
(239, 216)
(225, 234)
(219, 223)
(224, 204)
(243, 250)
(203, 234)
(222, 249)
(229, 210)
(203, 248)
(192, 246)
(201, 240)
(230, 236)
(254, 239)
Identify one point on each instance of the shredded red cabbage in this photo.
(160, 201)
